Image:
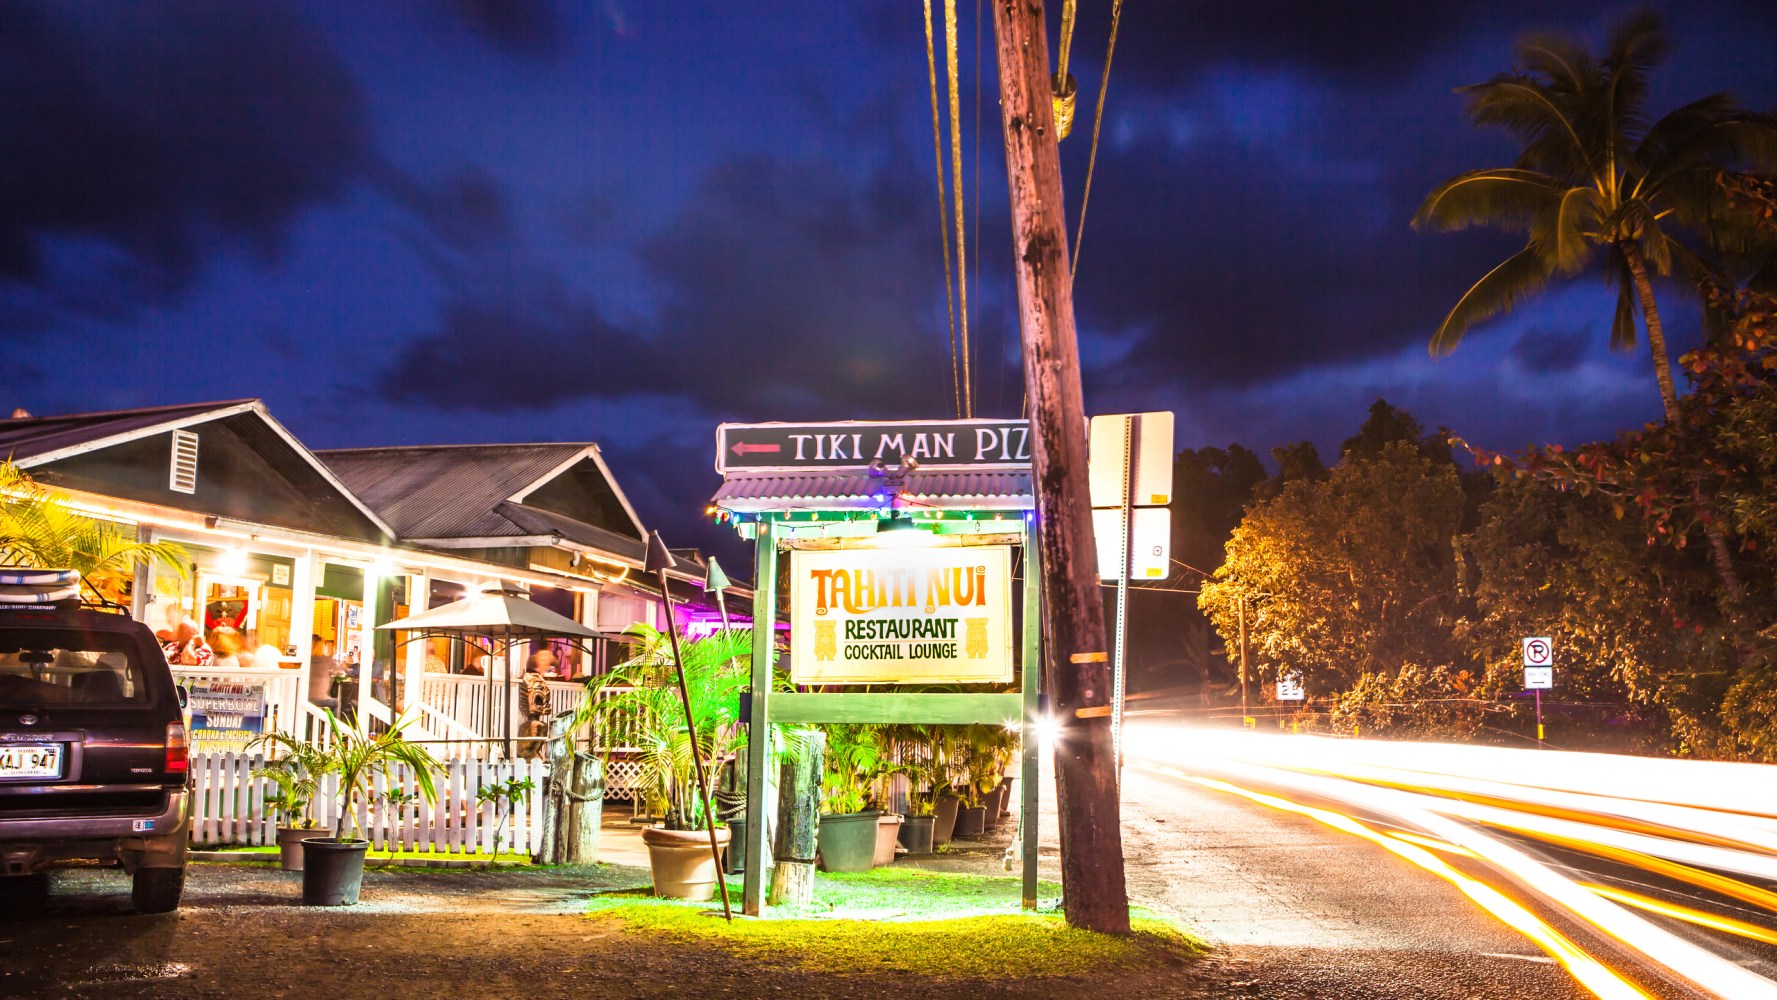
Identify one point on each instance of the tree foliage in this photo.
(1346, 576)
(39, 530)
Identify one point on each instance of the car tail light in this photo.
(178, 751)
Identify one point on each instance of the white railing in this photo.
(464, 700)
(229, 807)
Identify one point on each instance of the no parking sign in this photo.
(1539, 663)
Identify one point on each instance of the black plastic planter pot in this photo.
(332, 871)
(971, 821)
(916, 834)
(734, 857)
(847, 842)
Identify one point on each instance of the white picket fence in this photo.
(229, 807)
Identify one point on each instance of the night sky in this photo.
(517, 220)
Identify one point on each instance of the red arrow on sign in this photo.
(746, 449)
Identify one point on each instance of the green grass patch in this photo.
(937, 924)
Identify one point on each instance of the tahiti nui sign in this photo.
(901, 616)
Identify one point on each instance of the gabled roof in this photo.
(455, 496)
(34, 442)
(445, 491)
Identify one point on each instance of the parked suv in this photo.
(92, 743)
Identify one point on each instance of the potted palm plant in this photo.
(650, 711)
(333, 867)
(296, 774)
(848, 831)
(923, 786)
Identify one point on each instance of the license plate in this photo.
(31, 761)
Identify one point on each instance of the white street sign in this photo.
(1108, 455)
(1290, 689)
(1539, 651)
(1539, 678)
(1150, 542)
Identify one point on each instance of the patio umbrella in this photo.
(505, 618)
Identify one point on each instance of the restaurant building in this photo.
(295, 556)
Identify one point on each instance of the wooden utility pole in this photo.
(1076, 673)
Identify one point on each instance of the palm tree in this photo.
(1594, 176)
(38, 530)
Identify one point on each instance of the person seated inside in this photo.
(323, 671)
(187, 647)
(225, 645)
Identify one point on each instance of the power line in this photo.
(956, 176)
(943, 214)
(1104, 83)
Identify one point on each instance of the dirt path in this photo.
(418, 934)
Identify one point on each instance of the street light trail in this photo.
(1713, 921)
(1304, 768)
(1602, 980)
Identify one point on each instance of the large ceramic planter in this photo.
(888, 829)
(848, 842)
(1009, 784)
(290, 840)
(332, 871)
(681, 862)
(916, 834)
(971, 821)
(944, 819)
(994, 803)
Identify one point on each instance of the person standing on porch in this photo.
(534, 701)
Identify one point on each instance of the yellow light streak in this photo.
(1733, 888)
(1739, 928)
(1432, 843)
(1594, 975)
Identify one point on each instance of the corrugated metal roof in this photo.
(448, 491)
(24, 438)
(537, 521)
(940, 488)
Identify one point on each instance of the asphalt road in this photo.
(1297, 909)
(1633, 877)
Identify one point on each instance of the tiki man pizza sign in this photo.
(901, 616)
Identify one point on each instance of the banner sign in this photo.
(947, 444)
(225, 715)
(901, 616)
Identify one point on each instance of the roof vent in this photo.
(183, 477)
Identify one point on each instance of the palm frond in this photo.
(1527, 109)
(1519, 275)
(1503, 197)
(1566, 234)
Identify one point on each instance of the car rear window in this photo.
(69, 668)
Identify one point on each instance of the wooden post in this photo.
(798, 820)
(752, 893)
(1028, 675)
(574, 800)
(704, 787)
(1078, 678)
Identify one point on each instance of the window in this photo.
(183, 476)
(67, 668)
